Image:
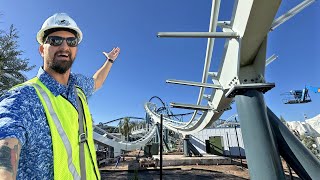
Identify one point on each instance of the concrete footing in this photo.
(179, 160)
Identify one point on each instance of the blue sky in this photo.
(146, 61)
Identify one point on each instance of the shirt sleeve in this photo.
(86, 84)
(15, 108)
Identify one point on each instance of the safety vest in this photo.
(62, 118)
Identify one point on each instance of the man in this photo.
(45, 123)
(118, 161)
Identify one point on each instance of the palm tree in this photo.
(125, 127)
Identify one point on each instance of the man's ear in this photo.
(41, 50)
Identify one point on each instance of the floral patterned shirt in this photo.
(22, 116)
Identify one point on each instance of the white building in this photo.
(231, 141)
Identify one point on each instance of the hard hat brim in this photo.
(40, 34)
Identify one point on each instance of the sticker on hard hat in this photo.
(63, 22)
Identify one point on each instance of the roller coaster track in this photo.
(146, 134)
(101, 136)
(242, 65)
(241, 75)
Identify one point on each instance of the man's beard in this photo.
(60, 66)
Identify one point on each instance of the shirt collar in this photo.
(54, 86)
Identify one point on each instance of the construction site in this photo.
(252, 144)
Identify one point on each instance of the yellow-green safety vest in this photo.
(62, 118)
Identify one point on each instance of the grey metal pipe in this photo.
(292, 12)
(190, 106)
(198, 34)
(157, 137)
(191, 83)
(262, 155)
(161, 144)
(166, 134)
(185, 146)
(271, 59)
(300, 159)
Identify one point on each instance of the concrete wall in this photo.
(231, 148)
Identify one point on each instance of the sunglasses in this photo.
(57, 41)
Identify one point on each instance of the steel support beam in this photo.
(190, 106)
(300, 159)
(185, 146)
(242, 88)
(292, 12)
(161, 144)
(198, 34)
(262, 156)
(157, 137)
(271, 59)
(191, 83)
(166, 135)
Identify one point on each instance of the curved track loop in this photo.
(101, 136)
(144, 134)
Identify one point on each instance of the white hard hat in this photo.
(58, 20)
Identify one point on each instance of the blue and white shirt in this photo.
(23, 117)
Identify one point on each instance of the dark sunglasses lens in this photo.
(57, 41)
(72, 41)
(54, 40)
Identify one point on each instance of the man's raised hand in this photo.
(113, 54)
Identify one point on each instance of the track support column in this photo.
(302, 161)
(185, 146)
(262, 156)
(166, 134)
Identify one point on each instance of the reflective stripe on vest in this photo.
(62, 134)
